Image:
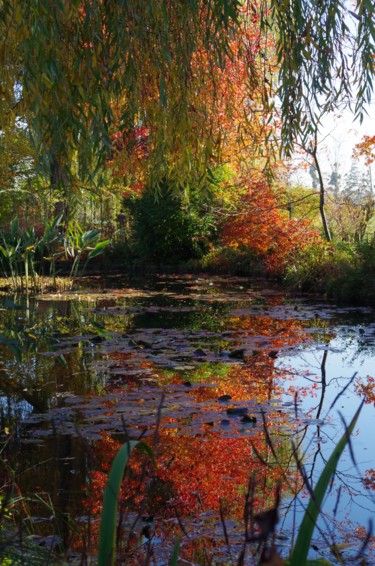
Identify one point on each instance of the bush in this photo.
(237, 261)
(344, 272)
(169, 228)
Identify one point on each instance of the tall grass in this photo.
(19, 546)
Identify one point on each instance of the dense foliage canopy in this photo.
(79, 71)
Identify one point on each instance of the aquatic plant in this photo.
(18, 247)
(49, 242)
(24, 254)
(78, 243)
(107, 538)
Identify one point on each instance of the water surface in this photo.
(224, 378)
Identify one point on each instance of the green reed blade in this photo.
(175, 554)
(301, 549)
(107, 535)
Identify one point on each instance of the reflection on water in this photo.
(337, 371)
(224, 379)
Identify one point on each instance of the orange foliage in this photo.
(366, 389)
(203, 466)
(197, 473)
(129, 154)
(366, 149)
(227, 118)
(264, 230)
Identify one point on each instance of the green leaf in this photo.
(90, 236)
(56, 221)
(3, 251)
(99, 248)
(176, 550)
(301, 549)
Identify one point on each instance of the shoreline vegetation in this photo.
(56, 256)
(343, 274)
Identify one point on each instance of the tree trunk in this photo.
(314, 154)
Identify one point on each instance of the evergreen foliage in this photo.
(168, 227)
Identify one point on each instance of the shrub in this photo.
(167, 227)
(238, 261)
(265, 231)
(345, 272)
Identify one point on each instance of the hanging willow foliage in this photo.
(78, 68)
(326, 56)
(78, 71)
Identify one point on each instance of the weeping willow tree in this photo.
(78, 71)
(326, 53)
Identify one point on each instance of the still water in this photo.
(242, 392)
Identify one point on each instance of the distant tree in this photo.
(366, 182)
(314, 176)
(358, 184)
(335, 179)
(352, 209)
(352, 181)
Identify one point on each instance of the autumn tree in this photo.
(181, 213)
(264, 230)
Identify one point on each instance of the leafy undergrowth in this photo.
(343, 272)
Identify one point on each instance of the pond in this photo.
(242, 391)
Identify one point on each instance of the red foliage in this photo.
(367, 389)
(130, 150)
(261, 227)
